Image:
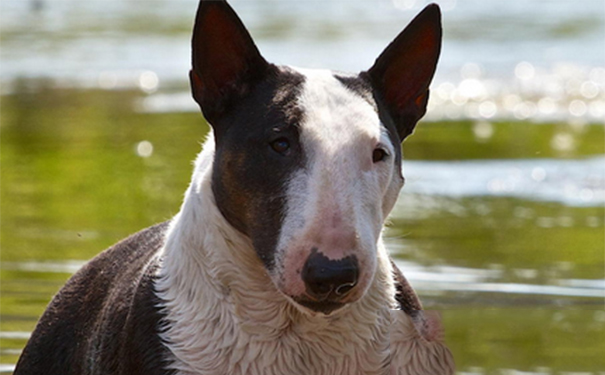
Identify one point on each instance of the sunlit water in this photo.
(498, 228)
(518, 59)
(571, 182)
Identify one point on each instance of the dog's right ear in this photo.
(225, 60)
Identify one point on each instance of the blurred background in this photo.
(500, 226)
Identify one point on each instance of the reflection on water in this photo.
(517, 274)
(572, 182)
(526, 60)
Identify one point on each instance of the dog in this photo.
(274, 264)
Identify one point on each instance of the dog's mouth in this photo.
(324, 307)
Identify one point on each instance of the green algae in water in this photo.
(73, 183)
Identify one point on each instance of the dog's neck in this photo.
(218, 298)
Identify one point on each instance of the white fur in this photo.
(338, 202)
(417, 347)
(225, 315)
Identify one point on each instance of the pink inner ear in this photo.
(408, 75)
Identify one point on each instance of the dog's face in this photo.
(308, 163)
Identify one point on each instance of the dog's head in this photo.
(308, 163)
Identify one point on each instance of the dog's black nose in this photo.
(327, 279)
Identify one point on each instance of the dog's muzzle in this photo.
(327, 281)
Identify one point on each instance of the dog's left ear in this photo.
(225, 61)
(402, 73)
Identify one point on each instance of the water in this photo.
(520, 59)
(572, 182)
(500, 226)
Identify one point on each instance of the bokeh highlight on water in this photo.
(519, 59)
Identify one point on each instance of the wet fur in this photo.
(216, 290)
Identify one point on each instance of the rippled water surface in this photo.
(500, 226)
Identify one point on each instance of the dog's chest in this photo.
(227, 347)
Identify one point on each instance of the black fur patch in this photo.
(105, 320)
(249, 177)
(359, 85)
(406, 297)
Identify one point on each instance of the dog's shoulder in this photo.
(406, 297)
(113, 293)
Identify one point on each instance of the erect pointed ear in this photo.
(225, 61)
(402, 73)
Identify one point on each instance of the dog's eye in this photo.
(379, 154)
(280, 145)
